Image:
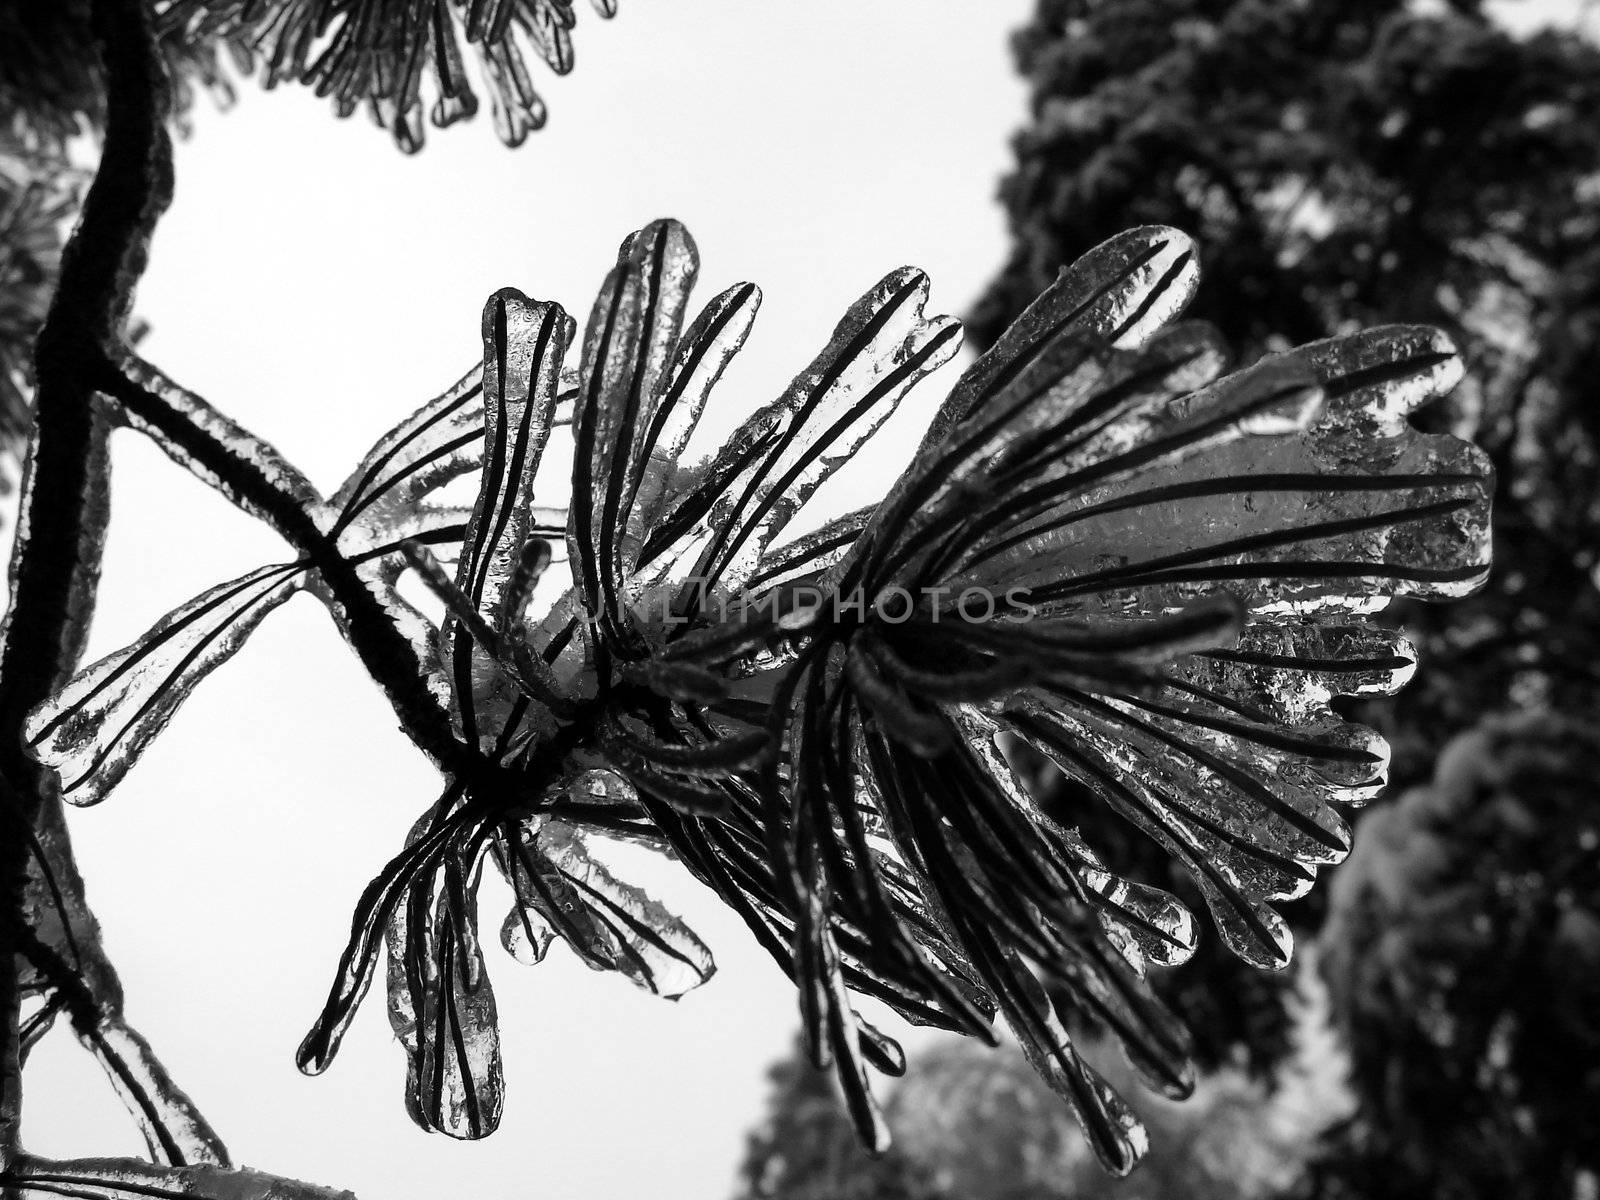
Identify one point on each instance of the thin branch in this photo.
(195, 435)
(247, 469)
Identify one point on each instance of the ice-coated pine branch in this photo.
(1156, 572)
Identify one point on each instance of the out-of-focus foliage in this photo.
(51, 84)
(975, 1123)
(1341, 160)
(1462, 953)
(807, 1150)
(37, 195)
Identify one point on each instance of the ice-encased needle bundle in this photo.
(1154, 571)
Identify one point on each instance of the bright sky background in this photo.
(317, 285)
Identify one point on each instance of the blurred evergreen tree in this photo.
(808, 1150)
(973, 1123)
(1463, 958)
(1346, 163)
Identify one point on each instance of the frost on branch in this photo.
(1157, 572)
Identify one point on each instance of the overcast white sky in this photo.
(317, 285)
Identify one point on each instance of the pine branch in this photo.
(231, 459)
